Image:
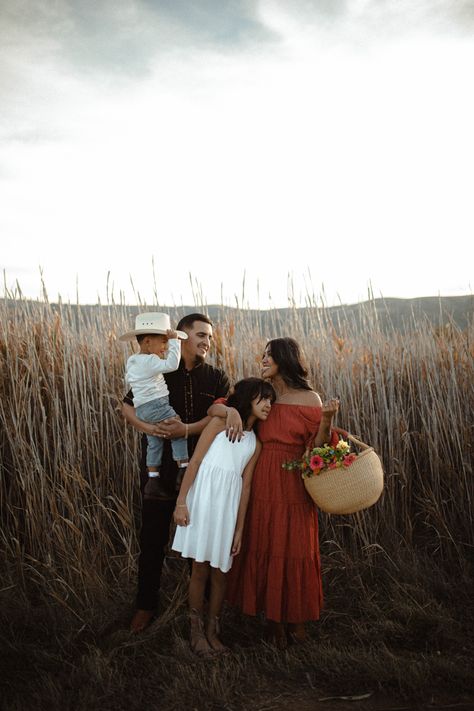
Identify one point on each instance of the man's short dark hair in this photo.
(188, 321)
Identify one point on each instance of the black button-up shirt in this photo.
(192, 392)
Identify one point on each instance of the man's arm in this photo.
(128, 413)
(173, 428)
(233, 421)
(223, 386)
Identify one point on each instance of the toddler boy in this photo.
(144, 375)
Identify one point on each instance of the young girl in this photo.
(211, 507)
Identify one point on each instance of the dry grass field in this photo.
(398, 621)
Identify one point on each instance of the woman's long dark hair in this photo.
(287, 355)
(247, 390)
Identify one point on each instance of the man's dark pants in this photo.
(154, 537)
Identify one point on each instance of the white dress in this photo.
(213, 502)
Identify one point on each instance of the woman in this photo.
(278, 570)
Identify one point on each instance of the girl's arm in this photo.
(233, 421)
(181, 513)
(244, 499)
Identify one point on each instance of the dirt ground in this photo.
(315, 701)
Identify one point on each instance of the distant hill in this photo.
(399, 314)
(390, 313)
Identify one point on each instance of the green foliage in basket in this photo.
(318, 459)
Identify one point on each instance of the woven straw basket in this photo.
(345, 491)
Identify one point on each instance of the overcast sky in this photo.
(303, 144)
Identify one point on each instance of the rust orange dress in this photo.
(278, 570)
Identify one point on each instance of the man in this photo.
(192, 389)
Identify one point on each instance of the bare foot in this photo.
(140, 621)
(200, 646)
(297, 633)
(217, 645)
(212, 634)
(198, 641)
(276, 634)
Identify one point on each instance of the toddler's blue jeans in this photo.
(156, 411)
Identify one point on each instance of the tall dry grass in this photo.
(69, 486)
(396, 576)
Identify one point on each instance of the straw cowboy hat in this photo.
(151, 323)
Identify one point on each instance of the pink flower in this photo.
(333, 465)
(316, 462)
(348, 459)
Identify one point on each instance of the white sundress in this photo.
(213, 502)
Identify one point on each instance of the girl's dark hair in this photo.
(287, 355)
(247, 390)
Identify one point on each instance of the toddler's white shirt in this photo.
(144, 373)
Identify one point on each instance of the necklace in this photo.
(281, 394)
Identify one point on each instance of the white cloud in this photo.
(311, 152)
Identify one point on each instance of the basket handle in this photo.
(356, 441)
(350, 437)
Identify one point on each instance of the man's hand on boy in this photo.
(150, 429)
(171, 428)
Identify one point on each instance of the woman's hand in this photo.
(236, 543)
(181, 515)
(233, 425)
(329, 409)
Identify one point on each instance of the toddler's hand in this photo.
(171, 334)
(181, 515)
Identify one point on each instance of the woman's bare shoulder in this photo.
(310, 398)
